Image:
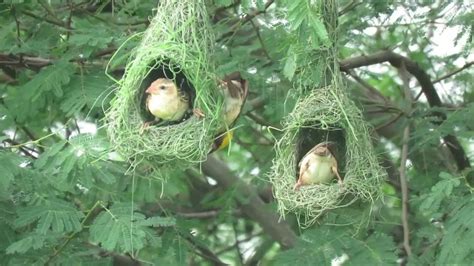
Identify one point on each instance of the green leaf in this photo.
(53, 215)
(33, 241)
(321, 245)
(123, 229)
(297, 13)
(431, 201)
(9, 167)
(378, 249)
(456, 246)
(223, 3)
(86, 91)
(291, 63)
(50, 78)
(159, 221)
(50, 153)
(91, 36)
(318, 30)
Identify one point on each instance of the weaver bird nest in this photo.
(326, 114)
(177, 45)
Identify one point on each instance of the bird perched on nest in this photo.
(168, 102)
(234, 90)
(318, 166)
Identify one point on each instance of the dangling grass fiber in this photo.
(325, 110)
(177, 44)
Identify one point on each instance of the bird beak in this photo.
(149, 90)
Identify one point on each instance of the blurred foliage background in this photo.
(67, 198)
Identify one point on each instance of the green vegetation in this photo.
(80, 185)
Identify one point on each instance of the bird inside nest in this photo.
(318, 166)
(167, 102)
(234, 90)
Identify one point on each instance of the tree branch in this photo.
(467, 65)
(51, 21)
(244, 20)
(427, 87)
(250, 202)
(39, 62)
(252, 15)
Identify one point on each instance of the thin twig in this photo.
(32, 137)
(404, 187)
(69, 238)
(403, 162)
(389, 122)
(17, 22)
(244, 20)
(350, 6)
(51, 21)
(69, 20)
(24, 149)
(237, 242)
(246, 239)
(467, 65)
(260, 39)
(200, 249)
(252, 15)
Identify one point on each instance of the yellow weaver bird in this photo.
(318, 166)
(168, 102)
(234, 89)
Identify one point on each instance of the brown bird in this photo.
(234, 90)
(318, 166)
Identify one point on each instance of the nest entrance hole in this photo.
(165, 69)
(309, 136)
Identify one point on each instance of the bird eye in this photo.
(162, 87)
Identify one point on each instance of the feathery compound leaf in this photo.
(49, 153)
(324, 244)
(50, 78)
(456, 246)
(297, 12)
(57, 163)
(32, 240)
(318, 32)
(159, 221)
(378, 249)
(290, 63)
(9, 167)
(57, 216)
(315, 247)
(85, 91)
(125, 230)
(431, 201)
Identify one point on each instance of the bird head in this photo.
(162, 86)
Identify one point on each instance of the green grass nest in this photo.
(325, 112)
(180, 41)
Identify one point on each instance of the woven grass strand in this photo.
(179, 35)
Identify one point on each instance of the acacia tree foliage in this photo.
(66, 197)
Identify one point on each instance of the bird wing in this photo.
(237, 91)
(304, 165)
(183, 96)
(334, 168)
(148, 103)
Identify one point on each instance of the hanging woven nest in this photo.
(326, 114)
(177, 45)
